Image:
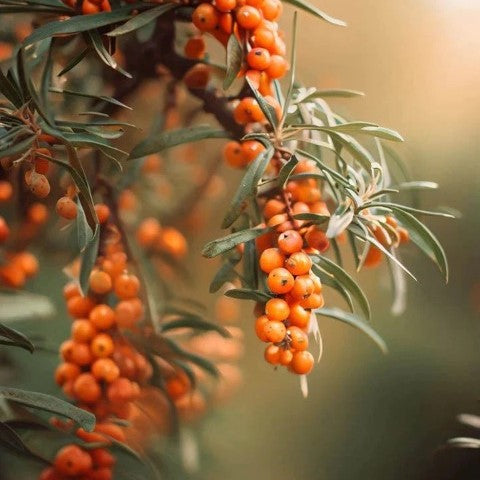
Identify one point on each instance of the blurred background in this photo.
(367, 415)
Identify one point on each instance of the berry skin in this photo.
(317, 239)
(302, 362)
(270, 259)
(280, 281)
(66, 372)
(6, 191)
(258, 58)
(315, 300)
(148, 232)
(66, 208)
(12, 275)
(102, 458)
(86, 388)
(38, 184)
(303, 287)
(263, 37)
(126, 314)
(273, 207)
(285, 357)
(251, 149)
(71, 289)
(100, 282)
(126, 286)
(205, 17)
(272, 354)
(103, 212)
(110, 429)
(195, 48)
(403, 234)
(120, 390)
(173, 242)
(27, 262)
(105, 369)
(89, 8)
(79, 307)
(75, 352)
(298, 338)
(271, 9)
(299, 316)
(225, 22)
(248, 17)
(299, 263)
(71, 460)
(102, 345)
(83, 331)
(373, 258)
(102, 317)
(225, 5)
(248, 111)
(233, 154)
(37, 213)
(277, 67)
(290, 241)
(260, 325)
(275, 331)
(277, 309)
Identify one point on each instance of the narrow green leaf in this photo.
(307, 7)
(220, 245)
(235, 57)
(286, 170)
(172, 138)
(9, 90)
(74, 61)
(247, 294)
(417, 185)
(103, 98)
(15, 338)
(248, 186)
(48, 403)
(312, 217)
(267, 109)
(89, 257)
(16, 148)
(341, 93)
(353, 321)
(196, 323)
(328, 280)
(395, 207)
(140, 20)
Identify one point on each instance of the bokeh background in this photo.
(367, 415)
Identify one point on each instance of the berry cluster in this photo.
(88, 7)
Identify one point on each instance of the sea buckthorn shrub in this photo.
(312, 187)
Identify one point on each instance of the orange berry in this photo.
(403, 234)
(198, 76)
(299, 263)
(205, 17)
(317, 239)
(105, 369)
(102, 317)
(71, 289)
(89, 8)
(373, 258)
(298, 338)
(299, 316)
(102, 458)
(27, 262)
(272, 354)
(277, 67)
(280, 281)
(391, 221)
(285, 357)
(302, 362)
(66, 372)
(86, 388)
(271, 9)
(75, 352)
(6, 191)
(177, 386)
(110, 429)
(260, 325)
(315, 300)
(258, 58)
(290, 241)
(148, 232)
(303, 287)
(100, 282)
(263, 37)
(102, 345)
(251, 149)
(66, 208)
(103, 212)
(12, 276)
(173, 242)
(270, 259)
(83, 331)
(248, 111)
(273, 207)
(316, 283)
(195, 47)
(120, 390)
(71, 460)
(248, 17)
(37, 213)
(275, 331)
(225, 5)
(126, 314)
(126, 286)
(38, 185)
(225, 22)
(233, 154)
(277, 309)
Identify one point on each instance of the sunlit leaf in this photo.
(235, 57)
(216, 247)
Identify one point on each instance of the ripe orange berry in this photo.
(280, 281)
(263, 37)
(290, 241)
(403, 234)
(71, 289)
(100, 282)
(102, 317)
(373, 258)
(195, 47)
(205, 17)
(126, 314)
(225, 5)
(391, 221)
(86, 388)
(148, 232)
(126, 286)
(317, 239)
(6, 191)
(272, 354)
(315, 300)
(102, 345)
(299, 263)
(89, 8)
(66, 208)
(120, 390)
(302, 362)
(102, 458)
(298, 338)
(177, 386)
(248, 17)
(27, 262)
(102, 211)
(260, 325)
(173, 242)
(105, 369)
(233, 154)
(71, 460)
(225, 22)
(75, 352)
(12, 276)
(273, 207)
(303, 287)
(278, 67)
(317, 283)
(258, 58)
(299, 316)
(248, 111)
(37, 213)
(38, 184)
(285, 357)
(277, 309)
(251, 149)
(83, 331)
(271, 9)
(275, 331)
(198, 76)
(110, 429)
(66, 372)
(270, 259)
